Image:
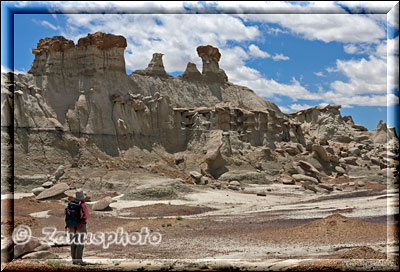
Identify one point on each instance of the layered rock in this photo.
(216, 165)
(325, 122)
(155, 67)
(83, 89)
(191, 72)
(210, 57)
(382, 133)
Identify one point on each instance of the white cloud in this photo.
(320, 74)
(45, 23)
(170, 34)
(278, 57)
(328, 27)
(255, 51)
(360, 48)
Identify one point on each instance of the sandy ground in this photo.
(289, 228)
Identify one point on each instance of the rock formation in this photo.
(191, 72)
(155, 67)
(77, 101)
(210, 57)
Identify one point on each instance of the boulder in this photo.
(321, 152)
(234, 183)
(327, 187)
(36, 191)
(30, 246)
(53, 191)
(195, 174)
(308, 167)
(204, 180)
(340, 170)
(350, 160)
(300, 177)
(310, 187)
(287, 180)
(355, 151)
(59, 172)
(102, 204)
(47, 184)
(216, 164)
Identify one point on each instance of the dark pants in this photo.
(77, 239)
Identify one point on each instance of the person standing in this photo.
(77, 215)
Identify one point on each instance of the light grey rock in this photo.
(340, 170)
(102, 204)
(300, 177)
(360, 183)
(53, 191)
(47, 184)
(59, 172)
(350, 160)
(308, 167)
(204, 180)
(196, 175)
(21, 249)
(36, 191)
(216, 164)
(321, 152)
(287, 180)
(234, 183)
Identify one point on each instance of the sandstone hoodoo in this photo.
(148, 138)
(210, 57)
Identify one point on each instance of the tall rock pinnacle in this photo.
(210, 57)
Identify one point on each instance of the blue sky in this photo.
(287, 52)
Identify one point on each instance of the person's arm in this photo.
(85, 212)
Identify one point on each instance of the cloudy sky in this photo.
(297, 55)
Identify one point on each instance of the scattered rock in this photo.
(287, 180)
(340, 170)
(53, 191)
(47, 184)
(36, 191)
(59, 172)
(321, 152)
(308, 167)
(327, 187)
(30, 246)
(350, 160)
(234, 183)
(102, 204)
(300, 177)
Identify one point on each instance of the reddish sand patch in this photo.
(333, 229)
(362, 252)
(25, 265)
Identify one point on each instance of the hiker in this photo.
(76, 216)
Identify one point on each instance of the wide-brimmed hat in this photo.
(79, 195)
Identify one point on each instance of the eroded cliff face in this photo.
(83, 90)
